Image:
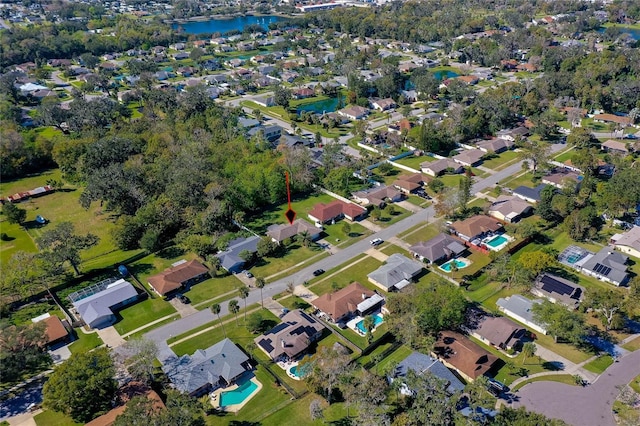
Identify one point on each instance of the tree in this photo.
(305, 238)
(62, 244)
(196, 54)
(536, 154)
(536, 262)
(266, 247)
(376, 213)
(346, 228)
(282, 96)
(13, 213)
(246, 255)
(83, 386)
(136, 357)
(436, 185)
(544, 208)
(521, 417)
(560, 322)
(22, 350)
(464, 191)
(260, 283)
(234, 308)
(369, 325)
(328, 366)
(181, 410)
(216, 264)
(607, 303)
(528, 350)
(581, 138)
(139, 411)
(257, 323)
(442, 306)
(243, 292)
(215, 309)
(430, 403)
(315, 410)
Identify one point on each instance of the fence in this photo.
(403, 167)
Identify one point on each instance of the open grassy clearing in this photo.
(85, 342)
(502, 160)
(390, 249)
(297, 413)
(295, 253)
(213, 288)
(392, 359)
(525, 179)
(599, 365)
(54, 418)
(633, 345)
(415, 161)
(142, 313)
(387, 219)
(357, 272)
(419, 233)
(560, 378)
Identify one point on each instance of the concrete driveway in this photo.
(581, 406)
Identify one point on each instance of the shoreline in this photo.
(216, 17)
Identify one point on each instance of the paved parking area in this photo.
(110, 336)
(184, 309)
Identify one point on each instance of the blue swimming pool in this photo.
(377, 320)
(497, 241)
(460, 263)
(238, 395)
(299, 372)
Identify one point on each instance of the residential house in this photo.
(247, 122)
(180, 55)
(469, 79)
(561, 178)
(467, 358)
(498, 332)
(230, 258)
(177, 46)
(354, 299)
(295, 141)
(611, 118)
(411, 183)
(628, 242)
(378, 196)
(96, 305)
(279, 233)
(558, 290)
(383, 104)
(513, 134)
(271, 133)
(438, 167)
(616, 147)
(606, 265)
(206, 370)
(532, 195)
(265, 101)
(495, 146)
(396, 273)
(403, 125)
(420, 364)
(520, 309)
(291, 337)
(55, 330)
(335, 210)
(469, 157)
(181, 274)
(509, 208)
(354, 112)
(440, 248)
(476, 227)
(303, 93)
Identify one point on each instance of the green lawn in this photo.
(502, 160)
(414, 162)
(392, 359)
(599, 365)
(275, 215)
(561, 378)
(390, 249)
(519, 180)
(357, 272)
(62, 206)
(387, 219)
(419, 233)
(635, 384)
(633, 345)
(85, 342)
(142, 313)
(418, 201)
(297, 413)
(54, 418)
(212, 288)
(565, 156)
(295, 254)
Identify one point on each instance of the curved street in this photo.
(581, 406)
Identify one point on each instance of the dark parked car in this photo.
(318, 272)
(184, 299)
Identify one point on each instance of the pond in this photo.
(222, 26)
(633, 32)
(322, 106)
(443, 75)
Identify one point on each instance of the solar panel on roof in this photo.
(266, 345)
(602, 269)
(552, 285)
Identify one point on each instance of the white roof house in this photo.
(97, 309)
(519, 308)
(396, 273)
(629, 242)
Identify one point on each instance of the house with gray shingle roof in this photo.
(396, 273)
(279, 233)
(421, 364)
(606, 265)
(207, 369)
(291, 337)
(230, 258)
(441, 247)
(97, 309)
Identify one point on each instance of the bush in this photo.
(4, 236)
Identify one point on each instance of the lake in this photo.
(225, 25)
(320, 107)
(443, 75)
(634, 33)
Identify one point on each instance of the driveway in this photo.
(18, 404)
(184, 309)
(110, 336)
(581, 406)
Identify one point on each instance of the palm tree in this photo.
(234, 308)
(215, 309)
(215, 263)
(528, 350)
(244, 293)
(305, 238)
(260, 283)
(369, 324)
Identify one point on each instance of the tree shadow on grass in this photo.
(553, 365)
(170, 252)
(140, 268)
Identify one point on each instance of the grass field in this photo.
(295, 253)
(297, 413)
(213, 288)
(392, 359)
(502, 160)
(54, 418)
(633, 345)
(420, 233)
(525, 179)
(356, 272)
(85, 342)
(142, 313)
(599, 365)
(414, 162)
(561, 378)
(61, 206)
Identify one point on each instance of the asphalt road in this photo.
(180, 326)
(19, 403)
(581, 406)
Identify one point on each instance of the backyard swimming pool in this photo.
(460, 264)
(377, 320)
(238, 395)
(497, 241)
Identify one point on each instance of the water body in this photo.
(319, 107)
(634, 33)
(443, 75)
(222, 26)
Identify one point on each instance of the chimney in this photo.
(364, 296)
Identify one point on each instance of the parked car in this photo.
(248, 273)
(318, 272)
(376, 242)
(184, 299)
